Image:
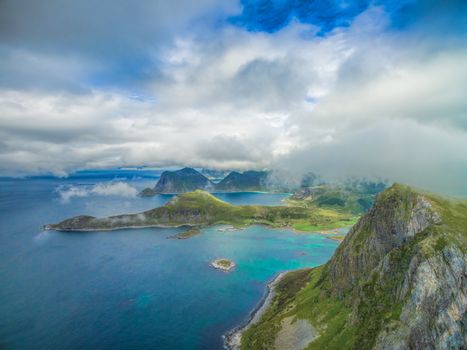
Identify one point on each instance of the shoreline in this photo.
(232, 339)
(217, 264)
(47, 228)
(327, 233)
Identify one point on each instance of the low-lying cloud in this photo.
(113, 189)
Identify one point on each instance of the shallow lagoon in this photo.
(130, 288)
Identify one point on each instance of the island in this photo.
(188, 233)
(223, 264)
(397, 281)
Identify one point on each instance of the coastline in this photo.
(232, 339)
(328, 233)
(48, 228)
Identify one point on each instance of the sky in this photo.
(340, 88)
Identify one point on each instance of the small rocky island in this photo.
(223, 264)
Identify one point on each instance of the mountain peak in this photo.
(397, 281)
(397, 216)
(182, 180)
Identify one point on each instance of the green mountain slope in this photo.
(397, 281)
(356, 197)
(200, 208)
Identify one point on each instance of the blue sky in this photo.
(339, 87)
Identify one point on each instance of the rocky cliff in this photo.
(246, 181)
(179, 181)
(188, 180)
(397, 281)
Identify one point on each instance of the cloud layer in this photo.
(371, 88)
(111, 189)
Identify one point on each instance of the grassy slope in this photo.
(311, 297)
(304, 219)
(351, 200)
(331, 201)
(200, 208)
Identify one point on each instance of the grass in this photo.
(330, 225)
(200, 208)
(262, 334)
(340, 199)
(351, 315)
(299, 294)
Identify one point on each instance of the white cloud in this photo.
(360, 99)
(114, 189)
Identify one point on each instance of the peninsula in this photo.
(199, 209)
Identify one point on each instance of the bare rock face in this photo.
(384, 254)
(397, 281)
(294, 334)
(395, 218)
(181, 181)
(435, 312)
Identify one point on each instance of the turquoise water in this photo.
(129, 289)
(253, 198)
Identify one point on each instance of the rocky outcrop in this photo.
(384, 254)
(397, 281)
(179, 181)
(434, 315)
(147, 192)
(294, 334)
(397, 216)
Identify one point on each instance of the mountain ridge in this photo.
(397, 281)
(200, 208)
(188, 180)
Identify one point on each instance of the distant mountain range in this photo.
(189, 179)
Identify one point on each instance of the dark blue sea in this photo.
(129, 289)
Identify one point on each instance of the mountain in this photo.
(397, 281)
(214, 175)
(200, 208)
(246, 181)
(148, 192)
(179, 181)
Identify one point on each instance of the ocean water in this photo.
(129, 289)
